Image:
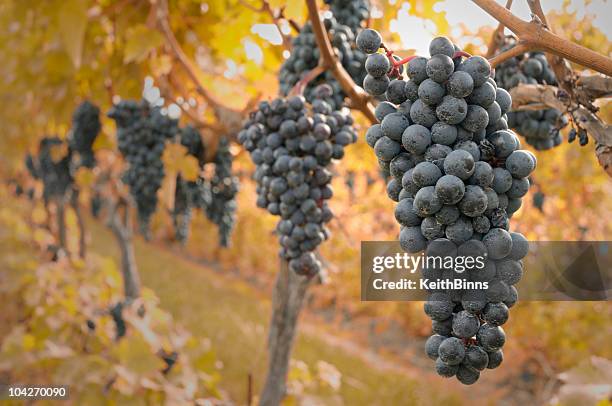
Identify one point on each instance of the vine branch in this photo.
(535, 35)
(359, 99)
(231, 119)
(497, 39)
(516, 50)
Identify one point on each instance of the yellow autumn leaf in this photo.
(28, 342)
(71, 24)
(139, 42)
(172, 157)
(137, 355)
(189, 168)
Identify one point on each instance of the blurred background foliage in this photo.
(56, 53)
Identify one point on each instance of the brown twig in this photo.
(308, 77)
(562, 69)
(536, 36)
(359, 99)
(497, 39)
(516, 50)
(229, 118)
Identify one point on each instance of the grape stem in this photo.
(299, 87)
(359, 98)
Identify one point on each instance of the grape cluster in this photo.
(142, 131)
(292, 144)
(85, 128)
(189, 194)
(224, 186)
(54, 167)
(541, 128)
(458, 175)
(305, 57)
(350, 12)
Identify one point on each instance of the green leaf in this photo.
(140, 41)
(72, 22)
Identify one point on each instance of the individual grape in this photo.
(443, 328)
(473, 301)
(452, 351)
(445, 370)
(495, 359)
(483, 95)
(478, 68)
(442, 133)
(512, 297)
(400, 165)
(476, 118)
(520, 247)
(431, 229)
(465, 325)
(423, 114)
(377, 65)
(432, 344)
(503, 98)
(439, 306)
(416, 69)
(383, 109)
(426, 174)
(452, 110)
(450, 189)
(483, 174)
(376, 86)
(369, 41)
(471, 147)
(411, 240)
(498, 242)
(447, 215)
(460, 84)
(396, 92)
(504, 141)
(459, 163)
(460, 231)
(416, 138)
(518, 189)
(497, 291)
(502, 180)
(393, 126)
(426, 201)
(431, 92)
(386, 149)
(490, 338)
(495, 314)
(406, 215)
(373, 134)
(466, 375)
(441, 45)
(476, 358)
(439, 68)
(520, 164)
(474, 202)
